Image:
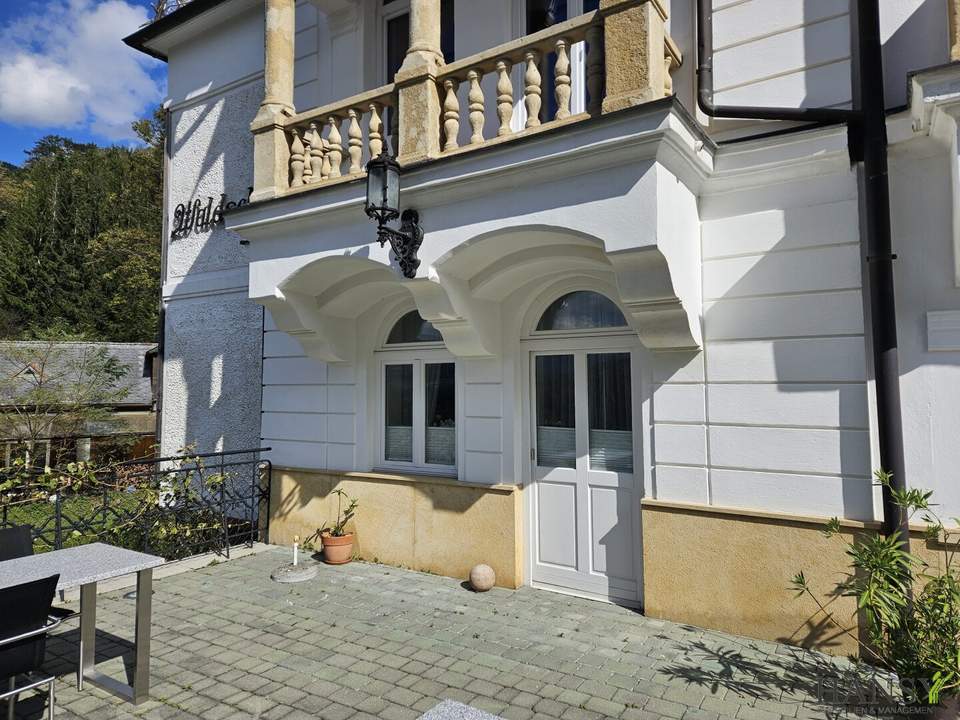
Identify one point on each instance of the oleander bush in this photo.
(910, 610)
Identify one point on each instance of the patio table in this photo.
(84, 566)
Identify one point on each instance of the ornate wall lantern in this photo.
(383, 205)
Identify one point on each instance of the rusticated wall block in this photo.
(633, 40)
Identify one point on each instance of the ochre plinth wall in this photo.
(718, 569)
(423, 523)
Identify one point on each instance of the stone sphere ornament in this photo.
(482, 578)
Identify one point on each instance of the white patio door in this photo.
(586, 506)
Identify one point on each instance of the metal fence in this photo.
(175, 506)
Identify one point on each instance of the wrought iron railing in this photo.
(176, 506)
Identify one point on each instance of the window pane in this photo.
(611, 413)
(440, 438)
(398, 412)
(447, 40)
(398, 40)
(544, 13)
(412, 328)
(556, 427)
(581, 310)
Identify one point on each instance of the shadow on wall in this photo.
(794, 318)
(922, 40)
(320, 486)
(213, 341)
(787, 427)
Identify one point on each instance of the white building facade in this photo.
(634, 362)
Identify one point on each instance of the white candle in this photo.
(296, 543)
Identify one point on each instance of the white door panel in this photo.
(585, 500)
(557, 539)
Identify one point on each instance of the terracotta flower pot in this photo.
(948, 709)
(337, 550)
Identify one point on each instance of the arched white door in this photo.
(585, 535)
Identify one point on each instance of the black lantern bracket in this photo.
(404, 242)
(383, 205)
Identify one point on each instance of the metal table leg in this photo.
(140, 690)
(141, 673)
(88, 631)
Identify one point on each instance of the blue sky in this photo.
(64, 70)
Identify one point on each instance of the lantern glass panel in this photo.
(392, 195)
(375, 187)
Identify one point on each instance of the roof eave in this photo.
(141, 38)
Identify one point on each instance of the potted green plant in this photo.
(911, 610)
(337, 542)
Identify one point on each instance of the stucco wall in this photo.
(427, 524)
(211, 374)
(309, 407)
(732, 572)
(772, 414)
(212, 349)
(929, 378)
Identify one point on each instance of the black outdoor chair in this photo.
(17, 542)
(24, 624)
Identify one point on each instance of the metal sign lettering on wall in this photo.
(197, 216)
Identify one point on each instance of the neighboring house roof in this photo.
(17, 361)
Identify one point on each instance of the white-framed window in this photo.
(418, 399)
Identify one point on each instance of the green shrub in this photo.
(910, 611)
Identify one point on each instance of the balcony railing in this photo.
(628, 61)
(317, 151)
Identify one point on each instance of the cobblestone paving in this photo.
(369, 641)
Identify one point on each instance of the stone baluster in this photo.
(475, 106)
(504, 96)
(451, 114)
(307, 158)
(375, 131)
(594, 68)
(296, 159)
(325, 164)
(316, 154)
(335, 149)
(667, 77)
(562, 79)
(355, 141)
(531, 90)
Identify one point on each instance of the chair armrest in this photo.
(50, 625)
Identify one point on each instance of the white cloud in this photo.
(65, 66)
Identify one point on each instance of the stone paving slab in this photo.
(367, 641)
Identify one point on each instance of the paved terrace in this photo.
(369, 641)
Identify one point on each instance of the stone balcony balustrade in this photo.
(629, 58)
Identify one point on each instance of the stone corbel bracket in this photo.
(657, 312)
(470, 327)
(322, 337)
(320, 303)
